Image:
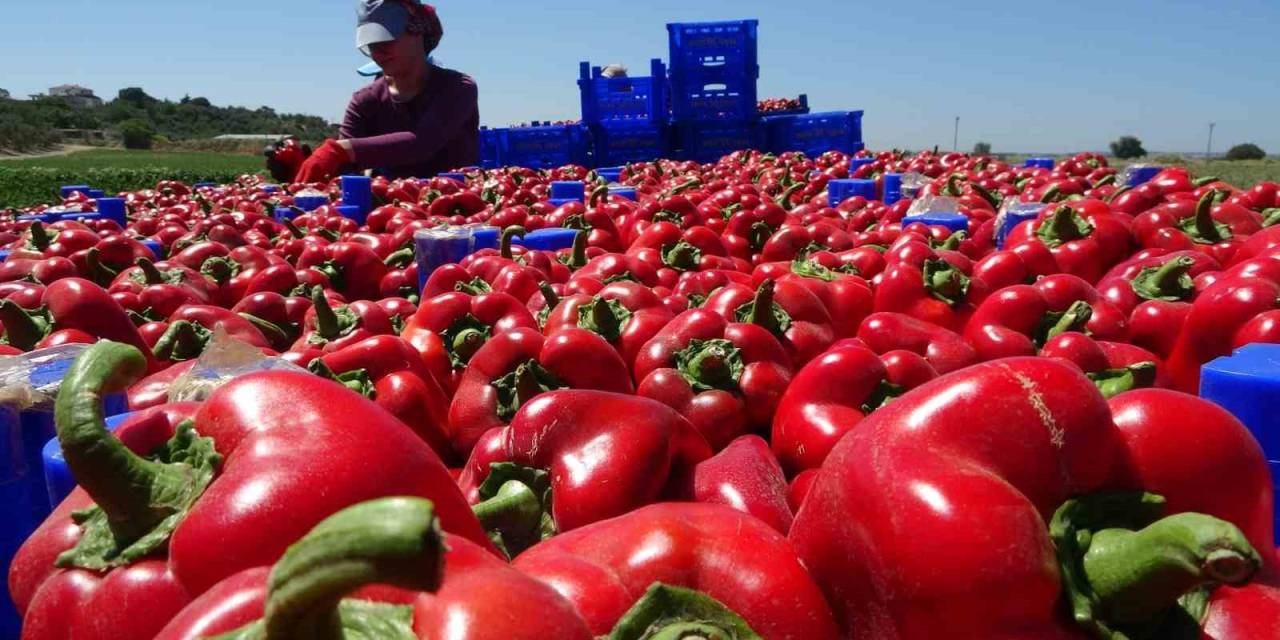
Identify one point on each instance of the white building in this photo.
(76, 95)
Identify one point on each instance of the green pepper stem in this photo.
(121, 482)
(668, 612)
(22, 329)
(1138, 574)
(392, 541)
(762, 309)
(598, 194)
(183, 340)
(40, 238)
(1063, 225)
(1170, 281)
(327, 324)
(99, 272)
(549, 294)
(400, 258)
(509, 236)
(682, 256)
(150, 273)
(578, 259)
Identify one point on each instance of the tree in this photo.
(1127, 147)
(135, 96)
(137, 134)
(1247, 151)
(982, 149)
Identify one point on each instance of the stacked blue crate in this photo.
(815, 133)
(627, 117)
(490, 148)
(543, 147)
(714, 70)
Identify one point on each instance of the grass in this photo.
(1241, 173)
(129, 159)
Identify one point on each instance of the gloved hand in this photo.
(284, 158)
(324, 163)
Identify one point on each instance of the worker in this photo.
(416, 119)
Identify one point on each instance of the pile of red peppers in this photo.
(729, 411)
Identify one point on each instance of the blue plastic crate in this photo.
(622, 142)
(713, 99)
(490, 149)
(544, 147)
(715, 50)
(816, 133)
(639, 99)
(709, 141)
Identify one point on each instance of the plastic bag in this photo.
(913, 182)
(223, 360)
(32, 379)
(933, 204)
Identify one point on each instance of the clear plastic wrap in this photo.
(223, 360)
(32, 380)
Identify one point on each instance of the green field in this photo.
(1241, 173)
(34, 180)
(127, 159)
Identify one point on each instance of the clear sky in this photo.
(1025, 76)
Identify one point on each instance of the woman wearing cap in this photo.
(417, 119)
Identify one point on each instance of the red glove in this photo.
(324, 163)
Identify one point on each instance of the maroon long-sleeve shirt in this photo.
(438, 130)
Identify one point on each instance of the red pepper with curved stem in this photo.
(147, 274)
(354, 270)
(741, 573)
(697, 286)
(847, 297)
(463, 203)
(418, 583)
(248, 476)
(398, 310)
(70, 304)
(748, 231)
(1113, 366)
(725, 377)
(745, 476)
(516, 366)
(1061, 524)
(66, 239)
(793, 241)
(937, 293)
(945, 350)
(596, 220)
(329, 328)
(274, 309)
(449, 329)
(573, 457)
(827, 399)
(787, 309)
(1185, 226)
(1085, 240)
(672, 208)
(388, 371)
(625, 314)
(1165, 278)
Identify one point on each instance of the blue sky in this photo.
(1025, 76)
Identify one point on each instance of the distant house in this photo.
(4, 95)
(76, 95)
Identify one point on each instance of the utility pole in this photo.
(1208, 152)
(955, 140)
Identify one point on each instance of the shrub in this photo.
(1247, 151)
(137, 134)
(982, 149)
(1127, 147)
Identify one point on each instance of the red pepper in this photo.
(191, 327)
(1086, 240)
(573, 457)
(847, 297)
(354, 270)
(1179, 226)
(596, 220)
(416, 582)
(829, 397)
(672, 251)
(1054, 517)
(44, 271)
(513, 279)
(388, 371)
(945, 350)
(1155, 275)
(248, 478)
(612, 267)
(937, 292)
(331, 328)
(449, 329)
(671, 207)
(624, 313)
(747, 231)
(726, 378)
(517, 365)
(69, 304)
(696, 570)
(787, 309)
(282, 279)
(1231, 313)
(746, 476)
(794, 241)
(1018, 320)
(1020, 264)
